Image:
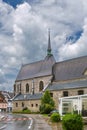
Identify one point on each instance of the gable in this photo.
(85, 72)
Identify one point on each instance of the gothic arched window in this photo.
(41, 86)
(27, 88)
(14, 87)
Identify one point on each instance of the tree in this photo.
(47, 103)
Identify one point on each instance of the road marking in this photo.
(3, 127)
(16, 119)
(31, 122)
(7, 119)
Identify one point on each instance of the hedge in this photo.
(72, 122)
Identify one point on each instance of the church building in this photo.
(62, 79)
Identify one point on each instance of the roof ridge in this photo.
(71, 59)
(32, 63)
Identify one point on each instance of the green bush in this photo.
(47, 103)
(26, 111)
(46, 108)
(25, 108)
(42, 107)
(55, 117)
(72, 122)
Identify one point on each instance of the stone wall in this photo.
(34, 81)
(32, 105)
(71, 92)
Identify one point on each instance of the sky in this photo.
(24, 33)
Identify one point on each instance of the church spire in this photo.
(49, 44)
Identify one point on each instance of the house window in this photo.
(27, 88)
(41, 86)
(22, 104)
(51, 94)
(36, 105)
(31, 105)
(16, 104)
(65, 93)
(80, 92)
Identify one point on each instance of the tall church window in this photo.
(27, 88)
(18, 88)
(41, 86)
(14, 87)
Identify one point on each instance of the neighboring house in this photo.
(66, 78)
(6, 103)
(3, 103)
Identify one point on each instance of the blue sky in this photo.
(13, 2)
(24, 33)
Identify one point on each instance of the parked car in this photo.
(53, 111)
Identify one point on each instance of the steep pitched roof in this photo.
(67, 85)
(40, 68)
(70, 69)
(36, 69)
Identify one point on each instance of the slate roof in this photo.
(36, 69)
(70, 69)
(27, 97)
(67, 85)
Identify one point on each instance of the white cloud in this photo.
(76, 49)
(23, 32)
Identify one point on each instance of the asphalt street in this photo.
(24, 122)
(39, 122)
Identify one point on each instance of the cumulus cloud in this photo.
(69, 50)
(23, 33)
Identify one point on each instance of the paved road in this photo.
(39, 122)
(15, 122)
(24, 122)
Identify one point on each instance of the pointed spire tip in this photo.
(49, 44)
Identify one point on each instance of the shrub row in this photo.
(69, 121)
(72, 122)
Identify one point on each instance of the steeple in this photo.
(49, 44)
